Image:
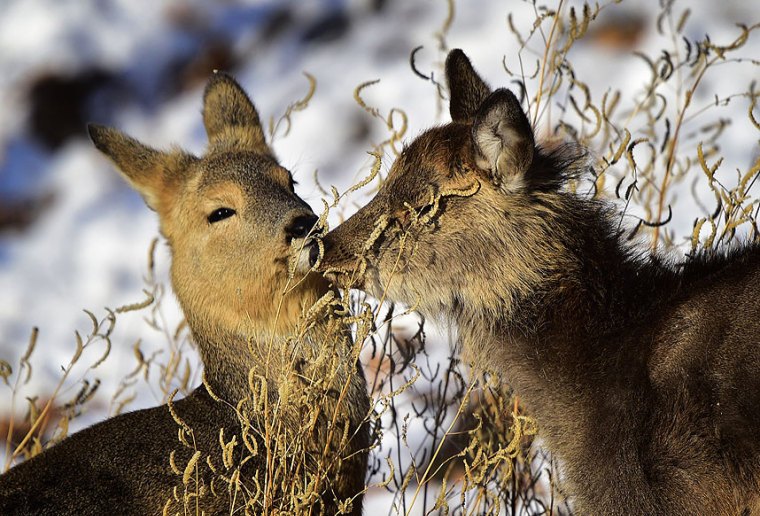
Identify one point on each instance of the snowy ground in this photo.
(87, 247)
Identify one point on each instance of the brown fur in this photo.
(229, 276)
(644, 376)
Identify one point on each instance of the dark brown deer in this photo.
(230, 218)
(644, 375)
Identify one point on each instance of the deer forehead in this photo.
(235, 181)
(437, 159)
(442, 146)
(243, 169)
(222, 193)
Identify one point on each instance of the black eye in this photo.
(220, 214)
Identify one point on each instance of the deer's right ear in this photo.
(230, 117)
(467, 90)
(504, 138)
(147, 170)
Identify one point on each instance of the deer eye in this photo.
(220, 214)
(425, 210)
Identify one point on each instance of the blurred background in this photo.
(73, 235)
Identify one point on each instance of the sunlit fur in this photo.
(229, 277)
(643, 373)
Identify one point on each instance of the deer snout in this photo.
(301, 226)
(337, 265)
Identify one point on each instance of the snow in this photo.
(89, 250)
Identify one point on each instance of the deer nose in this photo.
(301, 225)
(314, 252)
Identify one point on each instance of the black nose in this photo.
(314, 252)
(300, 226)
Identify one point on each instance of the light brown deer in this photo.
(644, 376)
(230, 219)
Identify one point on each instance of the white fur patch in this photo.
(495, 139)
(490, 144)
(301, 255)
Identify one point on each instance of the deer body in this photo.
(124, 467)
(230, 218)
(644, 376)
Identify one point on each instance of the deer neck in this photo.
(562, 344)
(274, 350)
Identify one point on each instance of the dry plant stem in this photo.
(441, 34)
(43, 413)
(272, 455)
(298, 105)
(344, 391)
(39, 420)
(23, 362)
(424, 479)
(545, 61)
(672, 147)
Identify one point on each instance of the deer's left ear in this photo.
(153, 173)
(230, 118)
(466, 89)
(503, 138)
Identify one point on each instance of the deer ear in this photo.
(503, 137)
(466, 89)
(230, 118)
(147, 170)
